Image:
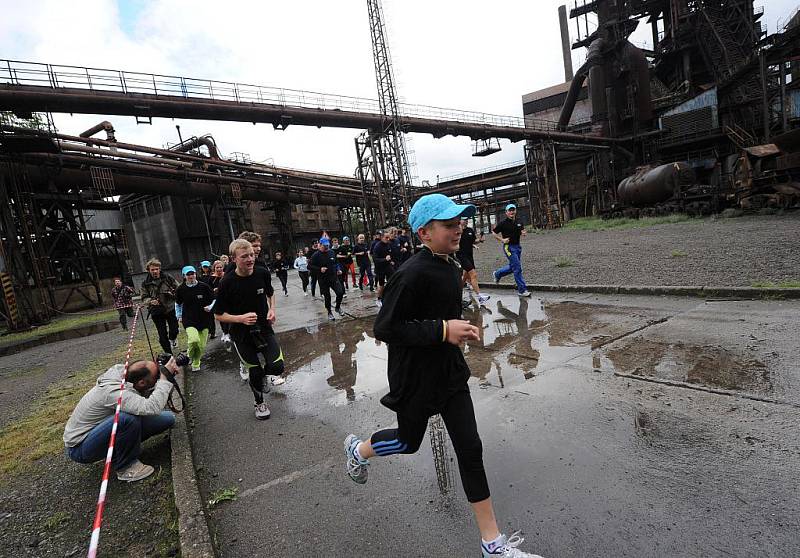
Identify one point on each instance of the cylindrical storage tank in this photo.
(649, 186)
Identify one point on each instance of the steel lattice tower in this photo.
(390, 154)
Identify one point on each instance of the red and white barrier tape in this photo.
(101, 500)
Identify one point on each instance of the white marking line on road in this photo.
(291, 477)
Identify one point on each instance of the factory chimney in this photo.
(565, 46)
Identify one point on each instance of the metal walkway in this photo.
(36, 87)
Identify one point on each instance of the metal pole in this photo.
(558, 190)
(764, 100)
(784, 115)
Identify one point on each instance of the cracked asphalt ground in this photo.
(611, 425)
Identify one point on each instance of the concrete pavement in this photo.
(585, 462)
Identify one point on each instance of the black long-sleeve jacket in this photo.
(424, 370)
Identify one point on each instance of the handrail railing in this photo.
(502, 166)
(16, 72)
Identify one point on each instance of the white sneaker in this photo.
(262, 411)
(278, 380)
(195, 368)
(244, 374)
(226, 340)
(285, 294)
(305, 294)
(135, 471)
(526, 294)
(507, 548)
(483, 298)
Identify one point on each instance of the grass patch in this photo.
(598, 224)
(61, 324)
(56, 520)
(564, 261)
(771, 285)
(39, 434)
(223, 495)
(678, 254)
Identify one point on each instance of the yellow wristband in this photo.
(444, 331)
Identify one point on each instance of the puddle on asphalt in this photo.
(707, 365)
(521, 337)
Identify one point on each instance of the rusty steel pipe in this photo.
(104, 125)
(31, 98)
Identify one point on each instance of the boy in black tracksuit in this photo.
(280, 267)
(361, 252)
(245, 300)
(420, 321)
(323, 263)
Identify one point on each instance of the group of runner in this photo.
(420, 320)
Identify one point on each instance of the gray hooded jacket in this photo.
(99, 403)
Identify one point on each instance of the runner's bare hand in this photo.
(271, 316)
(249, 319)
(461, 331)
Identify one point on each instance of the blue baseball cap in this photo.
(510, 206)
(436, 207)
(325, 242)
(205, 263)
(188, 269)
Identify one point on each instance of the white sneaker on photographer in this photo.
(278, 380)
(244, 374)
(136, 471)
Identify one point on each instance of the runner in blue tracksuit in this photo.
(508, 232)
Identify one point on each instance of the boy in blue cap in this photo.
(193, 303)
(508, 232)
(420, 321)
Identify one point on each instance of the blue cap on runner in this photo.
(205, 263)
(188, 269)
(510, 206)
(436, 207)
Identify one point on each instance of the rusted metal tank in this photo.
(652, 185)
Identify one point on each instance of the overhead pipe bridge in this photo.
(27, 87)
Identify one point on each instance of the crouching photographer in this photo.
(142, 415)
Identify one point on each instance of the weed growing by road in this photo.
(56, 520)
(564, 261)
(223, 495)
(678, 254)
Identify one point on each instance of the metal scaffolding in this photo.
(384, 149)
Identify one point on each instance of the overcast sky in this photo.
(463, 54)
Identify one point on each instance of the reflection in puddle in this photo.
(520, 337)
(343, 357)
(523, 335)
